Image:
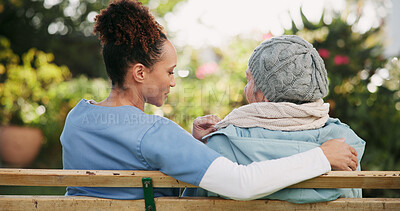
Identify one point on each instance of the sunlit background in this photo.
(207, 22)
(50, 59)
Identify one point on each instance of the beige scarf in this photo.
(279, 116)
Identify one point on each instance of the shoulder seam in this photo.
(141, 140)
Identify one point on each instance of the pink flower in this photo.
(206, 69)
(267, 36)
(324, 53)
(340, 60)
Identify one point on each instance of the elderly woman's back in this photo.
(245, 145)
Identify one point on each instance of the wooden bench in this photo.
(111, 178)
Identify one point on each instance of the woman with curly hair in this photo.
(115, 134)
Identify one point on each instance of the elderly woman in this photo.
(286, 115)
(115, 134)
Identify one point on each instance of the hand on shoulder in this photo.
(204, 125)
(340, 155)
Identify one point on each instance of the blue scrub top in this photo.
(125, 138)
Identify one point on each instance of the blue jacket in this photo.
(245, 145)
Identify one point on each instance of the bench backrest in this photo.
(114, 178)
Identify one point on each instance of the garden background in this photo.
(49, 60)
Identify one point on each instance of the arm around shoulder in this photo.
(259, 179)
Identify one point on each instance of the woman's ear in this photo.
(259, 96)
(138, 72)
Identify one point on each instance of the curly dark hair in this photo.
(129, 34)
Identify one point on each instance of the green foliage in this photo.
(27, 24)
(36, 92)
(24, 85)
(161, 7)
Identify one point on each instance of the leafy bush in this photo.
(24, 85)
(36, 92)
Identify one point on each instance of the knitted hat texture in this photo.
(288, 69)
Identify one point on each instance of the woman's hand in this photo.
(341, 156)
(204, 125)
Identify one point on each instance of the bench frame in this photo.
(116, 178)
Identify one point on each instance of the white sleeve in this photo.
(259, 179)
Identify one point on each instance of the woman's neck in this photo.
(121, 97)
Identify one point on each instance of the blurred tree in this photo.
(24, 87)
(36, 92)
(62, 27)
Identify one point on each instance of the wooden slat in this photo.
(85, 178)
(173, 203)
(113, 178)
(354, 179)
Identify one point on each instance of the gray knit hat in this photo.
(288, 69)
